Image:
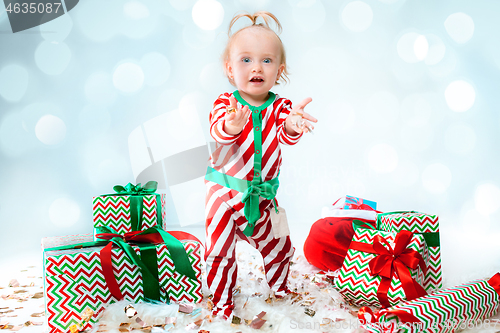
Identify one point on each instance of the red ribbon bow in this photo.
(389, 262)
(358, 204)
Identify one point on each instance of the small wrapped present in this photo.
(131, 208)
(81, 276)
(383, 268)
(426, 225)
(445, 311)
(349, 206)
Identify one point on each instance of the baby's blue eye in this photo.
(245, 59)
(267, 61)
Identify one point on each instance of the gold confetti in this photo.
(236, 320)
(38, 295)
(6, 327)
(41, 314)
(20, 291)
(310, 312)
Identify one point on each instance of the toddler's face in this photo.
(255, 63)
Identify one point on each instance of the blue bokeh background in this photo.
(405, 93)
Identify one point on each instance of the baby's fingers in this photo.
(232, 102)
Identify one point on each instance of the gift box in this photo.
(426, 225)
(77, 280)
(132, 208)
(445, 311)
(383, 268)
(349, 206)
(350, 202)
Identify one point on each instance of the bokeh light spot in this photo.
(436, 178)
(50, 129)
(460, 27)
(13, 82)
(383, 158)
(52, 57)
(436, 51)
(208, 14)
(99, 89)
(64, 212)
(460, 138)
(487, 199)
(460, 96)
(357, 16)
(128, 77)
(156, 68)
(135, 10)
(421, 47)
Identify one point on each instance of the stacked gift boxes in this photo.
(381, 271)
(78, 279)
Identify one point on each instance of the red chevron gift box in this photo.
(132, 208)
(426, 225)
(77, 281)
(445, 311)
(383, 268)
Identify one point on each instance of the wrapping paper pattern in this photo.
(113, 211)
(73, 279)
(355, 282)
(444, 311)
(418, 223)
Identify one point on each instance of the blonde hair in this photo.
(266, 17)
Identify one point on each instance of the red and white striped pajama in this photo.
(225, 219)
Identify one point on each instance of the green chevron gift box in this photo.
(77, 281)
(428, 226)
(383, 268)
(445, 311)
(131, 208)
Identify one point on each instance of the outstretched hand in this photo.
(297, 120)
(236, 120)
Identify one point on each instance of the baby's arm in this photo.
(218, 118)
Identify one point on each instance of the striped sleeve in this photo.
(284, 109)
(217, 121)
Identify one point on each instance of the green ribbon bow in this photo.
(251, 196)
(149, 188)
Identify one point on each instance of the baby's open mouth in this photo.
(257, 79)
